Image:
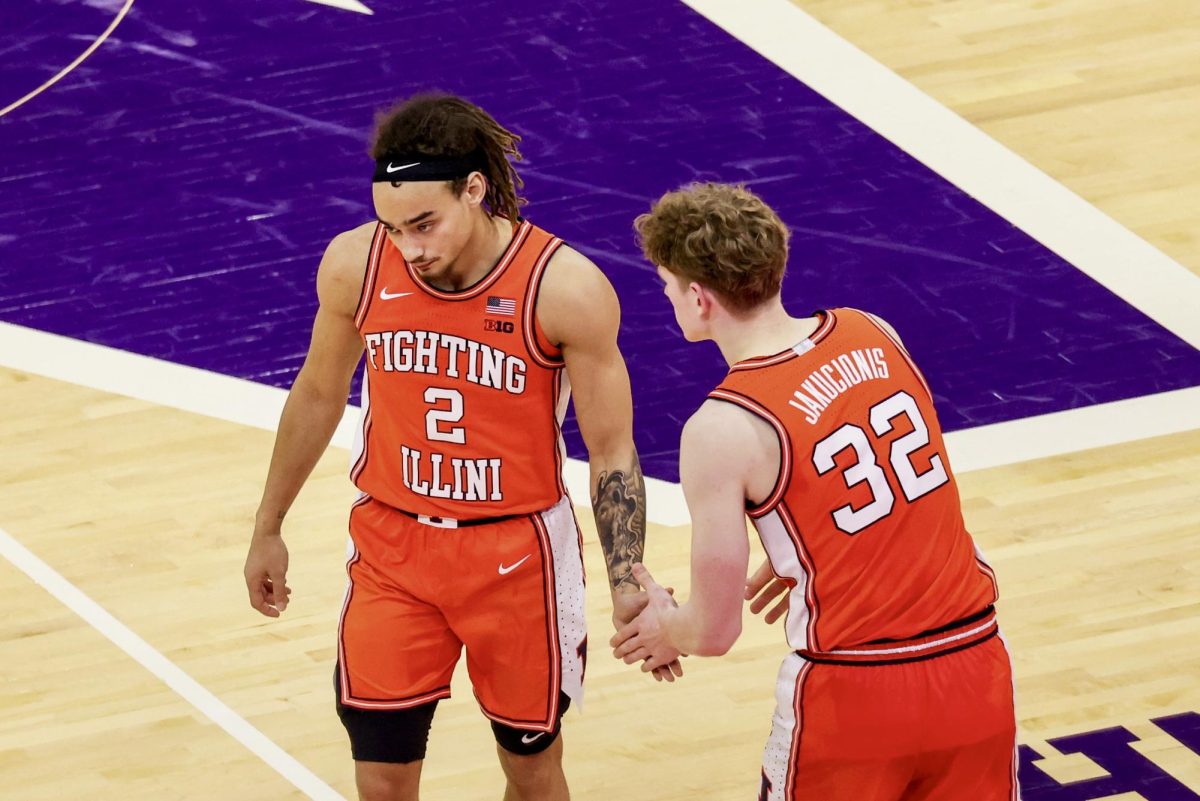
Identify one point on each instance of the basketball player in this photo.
(476, 326)
(824, 433)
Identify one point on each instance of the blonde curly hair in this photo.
(722, 236)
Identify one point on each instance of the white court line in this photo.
(1074, 430)
(967, 157)
(226, 398)
(67, 69)
(256, 405)
(145, 655)
(348, 5)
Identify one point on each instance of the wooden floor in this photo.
(1102, 95)
(148, 509)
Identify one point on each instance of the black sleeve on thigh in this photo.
(526, 742)
(386, 735)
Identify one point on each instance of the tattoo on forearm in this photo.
(619, 505)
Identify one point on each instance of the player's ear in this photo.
(703, 299)
(476, 188)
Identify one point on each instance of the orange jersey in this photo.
(865, 518)
(463, 395)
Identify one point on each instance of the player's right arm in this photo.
(718, 461)
(312, 412)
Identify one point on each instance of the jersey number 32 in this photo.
(867, 468)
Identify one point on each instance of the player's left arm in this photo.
(886, 326)
(578, 310)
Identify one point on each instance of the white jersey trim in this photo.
(787, 562)
(988, 622)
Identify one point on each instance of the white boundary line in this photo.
(167, 671)
(1074, 430)
(1004, 182)
(226, 398)
(348, 5)
(67, 69)
(258, 406)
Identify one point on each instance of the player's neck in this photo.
(487, 244)
(761, 333)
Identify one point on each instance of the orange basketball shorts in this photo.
(942, 728)
(511, 592)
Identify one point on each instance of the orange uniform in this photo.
(899, 686)
(463, 534)
(463, 395)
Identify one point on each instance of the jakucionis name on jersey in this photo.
(836, 376)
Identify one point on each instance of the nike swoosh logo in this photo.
(385, 296)
(391, 169)
(529, 738)
(504, 571)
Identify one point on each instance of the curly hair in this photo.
(722, 236)
(439, 124)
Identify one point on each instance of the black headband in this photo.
(394, 168)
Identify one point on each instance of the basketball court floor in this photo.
(1012, 184)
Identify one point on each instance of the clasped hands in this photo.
(642, 631)
(641, 636)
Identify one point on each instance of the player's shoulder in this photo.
(719, 439)
(340, 276)
(350, 247)
(719, 423)
(575, 300)
(871, 317)
(572, 274)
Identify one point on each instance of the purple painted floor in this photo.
(172, 196)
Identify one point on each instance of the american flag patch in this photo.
(505, 307)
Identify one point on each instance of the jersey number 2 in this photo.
(438, 415)
(868, 470)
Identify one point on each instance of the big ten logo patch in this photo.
(502, 326)
(1111, 749)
